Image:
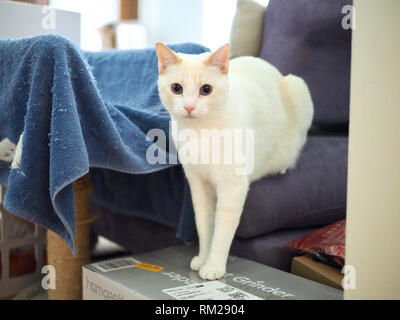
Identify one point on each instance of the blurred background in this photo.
(132, 24)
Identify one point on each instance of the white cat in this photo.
(207, 91)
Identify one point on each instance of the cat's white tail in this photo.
(297, 99)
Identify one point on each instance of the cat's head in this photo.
(193, 86)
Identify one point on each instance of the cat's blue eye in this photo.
(176, 88)
(205, 90)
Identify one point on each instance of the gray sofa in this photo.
(306, 38)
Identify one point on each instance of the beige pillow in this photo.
(247, 29)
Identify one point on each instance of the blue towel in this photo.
(81, 110)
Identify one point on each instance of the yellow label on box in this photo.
(148, 266)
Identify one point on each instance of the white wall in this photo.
(217, 22)
(373, 202)
(207, 22)
(20, 20)
(95, 14)
(172, 21)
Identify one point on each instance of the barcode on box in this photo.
(116, 264)
(210, 290)
(226, 289)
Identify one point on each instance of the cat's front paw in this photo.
(212, 271)
(196, 263)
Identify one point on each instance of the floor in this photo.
(103, 250)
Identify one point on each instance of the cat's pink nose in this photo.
(189, 109)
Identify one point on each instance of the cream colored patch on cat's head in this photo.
(193, 85)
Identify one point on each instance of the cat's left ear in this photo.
(166, 57)
(220, 58)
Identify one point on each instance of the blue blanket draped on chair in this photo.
(79, 110)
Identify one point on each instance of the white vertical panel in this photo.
(373, 214)
(20, 20)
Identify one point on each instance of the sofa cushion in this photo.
(247, 26)
(310, 195)
(306, 38)
(270, 249)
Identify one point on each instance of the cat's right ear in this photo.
(166, 57)
(220, 58)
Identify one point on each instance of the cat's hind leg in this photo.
(298, 102)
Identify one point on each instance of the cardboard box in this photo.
(166, 275)
(308, 268)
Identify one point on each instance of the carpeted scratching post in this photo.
(67, 266)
